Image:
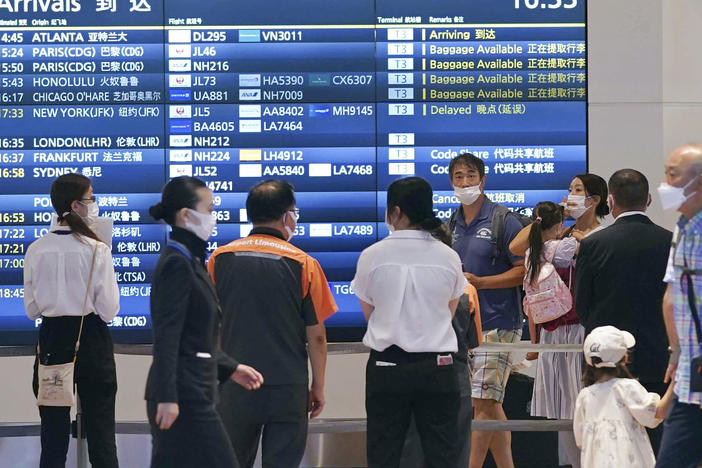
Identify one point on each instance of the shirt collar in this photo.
(631, 213)
(194, 244)
(693, 222)
(409, 234)
(268, 231)
(482, 215)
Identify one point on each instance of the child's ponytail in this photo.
(545, 216)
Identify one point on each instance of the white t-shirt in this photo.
(56, 271)
(410, 277)
(609, 424)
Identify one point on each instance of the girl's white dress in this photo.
(609, 424)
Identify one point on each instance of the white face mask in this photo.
(294, 216)
(93, 213)
(576, 205)
(205, 226)
(673, 197)
(467, 195)
(390, 227)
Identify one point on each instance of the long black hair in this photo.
(64, 191)
(545, 215)
(177, 194)
(414, 197)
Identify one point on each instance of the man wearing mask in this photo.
(619, 280)
(496, 274)
(275, 299)
(682, 191)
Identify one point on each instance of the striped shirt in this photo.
(687, 251)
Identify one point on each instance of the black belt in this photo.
(398, 355)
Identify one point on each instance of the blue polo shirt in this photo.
(499, 308)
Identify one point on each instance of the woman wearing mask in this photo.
(409, 285)
(69, 282)
(558, 375)
(182, 382)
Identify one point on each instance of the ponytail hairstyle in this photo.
(545, 215)
(64, 191)
(592, 374)
(414, 197)
(177, 194)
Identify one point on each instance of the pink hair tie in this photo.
(538, 219)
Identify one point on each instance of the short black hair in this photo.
(269, 200)
(629, 188)
(596, 185)
(470, 160)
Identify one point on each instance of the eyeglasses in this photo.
(92, 199)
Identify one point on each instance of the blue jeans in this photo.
(682, 436)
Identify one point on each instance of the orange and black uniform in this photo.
(270, 291)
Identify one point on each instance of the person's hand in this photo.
(166, 414)
(673, 359)
(247, 377)
(564, 204)
(532, 356)
(474, 280)
(315, 401)
(577, 234)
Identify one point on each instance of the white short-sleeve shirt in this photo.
(410, 278)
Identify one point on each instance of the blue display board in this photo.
(339, 97)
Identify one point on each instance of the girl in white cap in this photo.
(613, 408)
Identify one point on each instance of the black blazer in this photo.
(186, 318)
(619, 281)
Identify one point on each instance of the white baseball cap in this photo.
(609, 344)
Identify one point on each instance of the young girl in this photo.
(546, 245)
(613, 408)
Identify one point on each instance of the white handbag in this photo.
(56, 384)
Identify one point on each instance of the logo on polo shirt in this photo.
(484, 233)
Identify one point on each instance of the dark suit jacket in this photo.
(619, 281)
(186, 320)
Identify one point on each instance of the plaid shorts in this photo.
(491, 370)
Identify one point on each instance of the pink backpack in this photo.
(548, 298)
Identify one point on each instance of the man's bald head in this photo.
(686, 159)
(683, 168)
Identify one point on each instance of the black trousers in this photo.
(96, 384)
(196, 439)
(412, 454)
(416, 386)
(682, 439)
(275, 415)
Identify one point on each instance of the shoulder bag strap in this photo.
(691, 300)
(85, 302)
